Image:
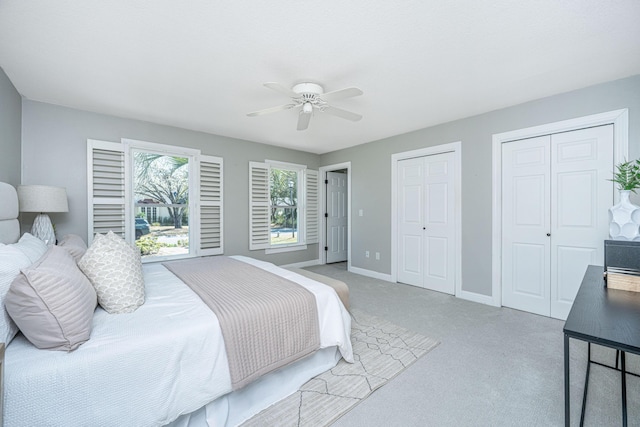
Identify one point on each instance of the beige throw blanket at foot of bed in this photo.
(267, 321)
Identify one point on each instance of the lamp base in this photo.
(43, 229)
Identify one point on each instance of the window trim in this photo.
(131, 146)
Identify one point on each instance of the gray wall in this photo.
(10, 131)
(54, 144)
(371, 171)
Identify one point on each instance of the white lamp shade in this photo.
(42, 198)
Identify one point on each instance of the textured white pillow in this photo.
(52, 302)
(115, 270)
(12, 260)
(32, 247)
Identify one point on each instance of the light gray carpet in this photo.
(494, 366)
(381, 351)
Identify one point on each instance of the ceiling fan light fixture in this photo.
(307, 108)
(307, 96)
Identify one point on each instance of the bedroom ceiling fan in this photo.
(309, 97)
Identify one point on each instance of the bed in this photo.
(163, 364)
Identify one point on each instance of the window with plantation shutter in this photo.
(167, 200)
(211, 238)
(106, 188)
(259, 215)
(283, 206)
(311, 208)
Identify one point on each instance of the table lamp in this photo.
(43, 199)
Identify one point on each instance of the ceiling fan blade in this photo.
(303, 120)
(342, 113)
(283, 90)
(341, 94)
(271, 110)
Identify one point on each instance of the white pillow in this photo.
(115, 271)
(32, 247)
(12, 260)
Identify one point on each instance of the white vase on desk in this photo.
(624, 219)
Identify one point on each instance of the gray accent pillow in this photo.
(115, 270)
(74, 245)
(52, 302)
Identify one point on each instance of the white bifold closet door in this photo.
(426, 222)
(555, 198)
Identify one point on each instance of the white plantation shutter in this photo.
(210, 206)
(106, 188)
(259, 215)
(311, 206)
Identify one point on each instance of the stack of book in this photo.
(626, 279)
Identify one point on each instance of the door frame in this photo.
(456, 148)
(322, 176)
(620, 121)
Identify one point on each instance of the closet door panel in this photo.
(581, 193)
(410, 221)
(439, 233)
(526, 217)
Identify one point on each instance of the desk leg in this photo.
(586, 384)
(623, 371)
(567, 388)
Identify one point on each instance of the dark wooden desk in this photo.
(608, 317)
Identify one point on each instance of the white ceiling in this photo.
(200, 64)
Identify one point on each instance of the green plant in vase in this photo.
(627, 176)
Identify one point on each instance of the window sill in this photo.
(281, 249)
(162, 258)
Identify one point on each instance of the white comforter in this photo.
(144, 368)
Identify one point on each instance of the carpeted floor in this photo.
(494, 366)
(381, 351)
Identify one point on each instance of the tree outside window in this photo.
(284, 206)
(162, 182)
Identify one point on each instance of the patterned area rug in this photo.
(381, 351)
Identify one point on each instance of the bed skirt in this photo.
(234, 408)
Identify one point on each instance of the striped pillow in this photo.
(52, 302)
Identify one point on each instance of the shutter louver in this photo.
(311, 208)
(259, 217)
(106, 188)
(211, 188)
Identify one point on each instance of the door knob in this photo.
(424, 228)
(548, 234)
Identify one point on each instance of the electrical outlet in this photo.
(377, 256)
(366, 254)
(361, 212)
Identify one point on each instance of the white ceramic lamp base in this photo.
(43, 229)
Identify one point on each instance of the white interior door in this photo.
(336, 217)
(440, 223)
(426, 222)
(411, 183)
(581, 193)
(526, 225)
(555, 196)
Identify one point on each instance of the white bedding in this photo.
(144, 368)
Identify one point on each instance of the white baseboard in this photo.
(370, 273)
(301, 264)
(472, 296)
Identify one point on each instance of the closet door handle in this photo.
(548, 234)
